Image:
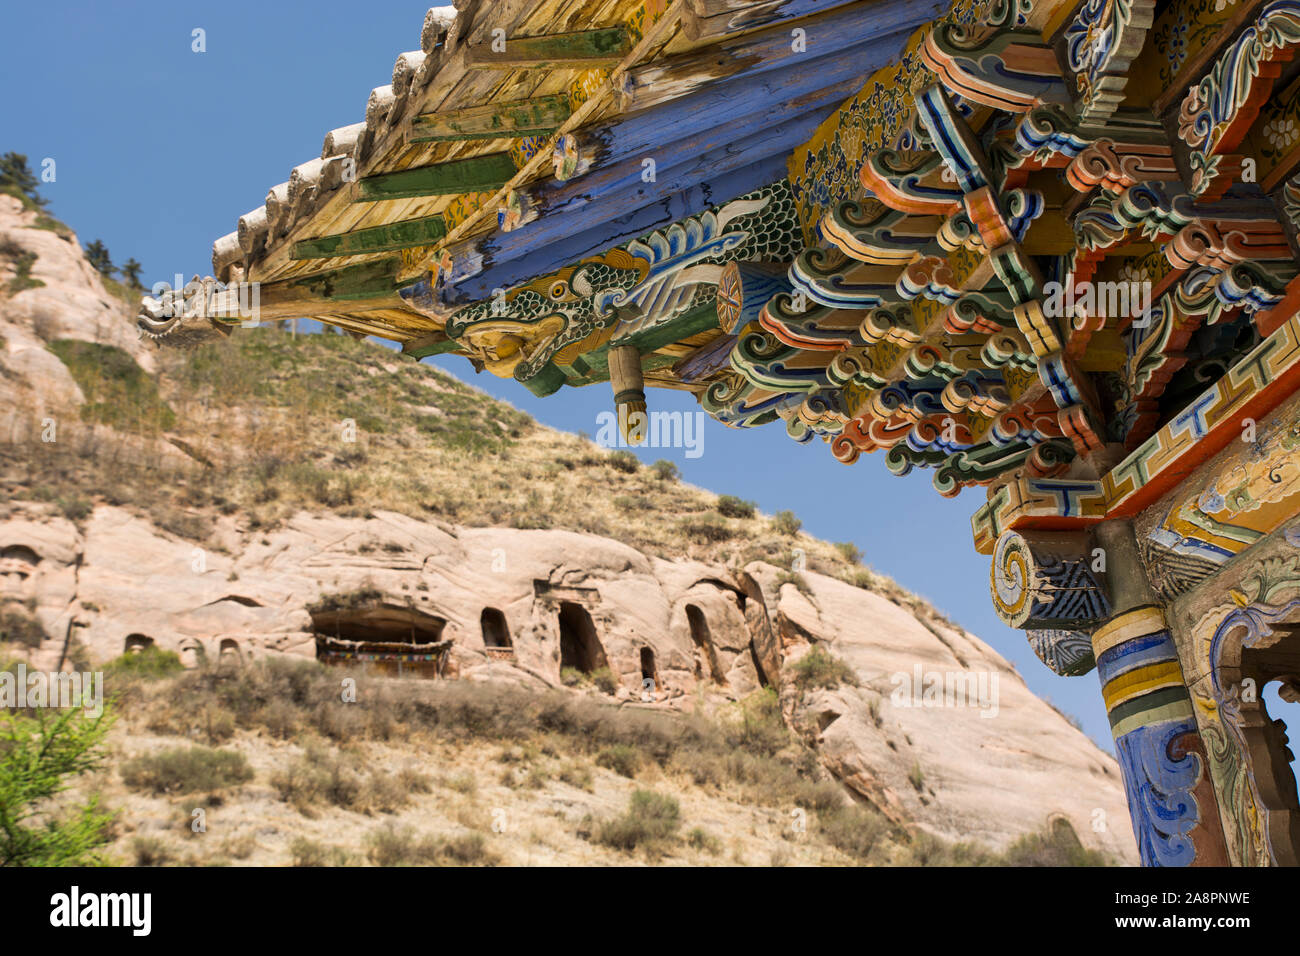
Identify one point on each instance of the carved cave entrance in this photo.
(136, 643)
(648, 672)
(580, 648)
(705, 656)
(384, 638)
(496, 634)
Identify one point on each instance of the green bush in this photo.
(730, 506)
(182, 770)
(758, 726)
(785, 522)
(651, 819)
(37, 754)
(665, 470)
(820, 668)
(849, 551)
(150, 663)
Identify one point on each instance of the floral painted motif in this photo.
(825, 170)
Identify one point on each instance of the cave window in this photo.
(135, 643)
(705, 656)
(579, 646)
(229, 653)
(496, 633)
(648, 668)
(19, 561)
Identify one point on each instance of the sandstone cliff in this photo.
(201, 510)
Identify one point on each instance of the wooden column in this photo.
(1171, 798)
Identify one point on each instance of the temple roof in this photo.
(1011, 242)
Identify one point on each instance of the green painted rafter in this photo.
(387, 238)
(540, 116)
(477, 173)
(583, 49)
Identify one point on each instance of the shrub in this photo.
(785, 522)
(624, 461)
(759, 727)
(21, 628)
(849, 551)
(700, 839)
(577, 775)
(665, 470)
(75, 507)
(390, 846)
(149, 663)
(856, 830)
(1058, 846)
(916, 778)
(604, 680)
(621, 759)
(706, 529)
(306, 852)
(182, 770)
(651, 819)
(152, 851)
(820, 668)
(729, 506)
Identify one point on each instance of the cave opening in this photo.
(496, 633)
(706, 658)
(580, 647)
(387, 638)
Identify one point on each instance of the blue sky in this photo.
(159, 149)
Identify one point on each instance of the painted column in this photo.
(1085, 599)
(1170, 795)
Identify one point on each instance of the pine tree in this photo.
(131, 273)
(37, 753)
(15, 173)
(97, 255)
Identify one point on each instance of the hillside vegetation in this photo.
(277, 770)
(264, 421)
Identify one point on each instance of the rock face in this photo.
(66, 299)
(939, 731)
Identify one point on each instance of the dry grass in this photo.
(265, 421)
(448, 773)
